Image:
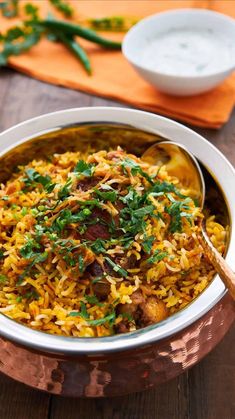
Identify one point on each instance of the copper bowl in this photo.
(120, 364)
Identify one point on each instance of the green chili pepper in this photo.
(73, 29)
(77, 50)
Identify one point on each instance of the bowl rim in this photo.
(139, 26)
(42, 341)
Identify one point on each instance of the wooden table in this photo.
(207, 391)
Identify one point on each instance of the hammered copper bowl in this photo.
(121, 364)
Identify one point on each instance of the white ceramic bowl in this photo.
(220, 28)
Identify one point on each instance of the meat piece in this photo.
(126, 262)
(122, 327)
(132, 309)
(102, 287)
(95, 270)
(88, 183)
(137, 297)
(153, 311)
(98, 230)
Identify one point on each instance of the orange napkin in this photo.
(113, 77)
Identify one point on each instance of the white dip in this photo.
(188, 52)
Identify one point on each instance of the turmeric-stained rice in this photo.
(99, 243)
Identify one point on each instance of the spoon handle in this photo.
(220, 265)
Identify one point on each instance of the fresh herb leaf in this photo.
(64, 192)
(5, 198)
(39, 230)
(157, 256)
(34, 177)
(142, 212)
(107, 196)
(10, 8)
(147, 243)
(32, 12)
(9, 48)
(83, 168)
(1, 254)
(40, 257)
(83, 312)
(70, 261)
(97, 279)
(28, 250)
(117, 268)
(135, 168)
(92, 299)
(32, 250)
(66, 217)
(31, 295)
(74, 313)
(177, 210)
(110, 318)
(98, 246)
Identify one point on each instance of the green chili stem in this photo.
(78, 51)
(72, 29)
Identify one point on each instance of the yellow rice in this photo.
(51, 296)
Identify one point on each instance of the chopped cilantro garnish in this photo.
(141, 212)
(83, 168)
(110, 318)
(31, 295)
(31, 250)
(135, 168)
(70, 261)
(147, 243)
(107, 195)
(177, 210)
(5, 198)
(65, 190)
(28, 250)
(74, 313)
(97, 279)
(66, 217)
(117, 268)
(92, 299)
(83, 312)
(33, 177)
(1, 254)
(157, 256)
(98, 246)
(39, 230)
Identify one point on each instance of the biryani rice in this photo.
(79, 258)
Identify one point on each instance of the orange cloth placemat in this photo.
(113, 77)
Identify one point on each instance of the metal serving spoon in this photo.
(181, 163)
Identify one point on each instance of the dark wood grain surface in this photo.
(207, 391)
